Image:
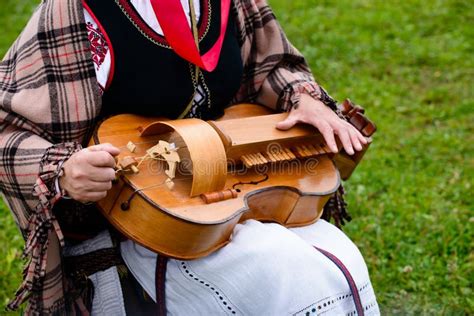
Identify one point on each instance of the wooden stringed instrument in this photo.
(183, 185)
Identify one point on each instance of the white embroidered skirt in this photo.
(265, 270)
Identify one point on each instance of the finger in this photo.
(92, 197)
(111, 149)
(355, 140)
(101, 159)
(328, 133)
(362, 139)
(345, 139)
(101, 174)
(94, 186)
(287, 123)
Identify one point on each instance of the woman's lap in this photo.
(266, 269)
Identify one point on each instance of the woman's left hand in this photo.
(316, 113)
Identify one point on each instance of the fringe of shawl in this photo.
(336, 208)
(41, 223)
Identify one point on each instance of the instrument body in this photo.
(230, 170)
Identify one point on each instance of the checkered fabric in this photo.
(50, 101)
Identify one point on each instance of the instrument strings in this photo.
(126, 204)
(143, 143)
(147, 156)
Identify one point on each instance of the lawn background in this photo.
(410, 63)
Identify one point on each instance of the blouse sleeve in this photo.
(275, 72)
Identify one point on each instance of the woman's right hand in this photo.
(88, 174)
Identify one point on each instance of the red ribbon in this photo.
(173, 21)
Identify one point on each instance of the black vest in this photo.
(153, 80)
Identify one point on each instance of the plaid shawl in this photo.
(49, 104)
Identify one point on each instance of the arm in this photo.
(24, 141)
(27, 185)
(49, 101)
(276, 75)
(275, 72)
(29, 168)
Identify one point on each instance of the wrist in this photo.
(309, 100)
(321, 106)
(308, 104)
(60, 182)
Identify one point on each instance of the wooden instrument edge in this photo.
(243, 209)
(124, 188)
(223, 227)
(187, 250)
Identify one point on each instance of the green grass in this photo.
(410, 63)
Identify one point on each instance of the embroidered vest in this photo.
(150, 79)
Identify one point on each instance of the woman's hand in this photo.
(88, 174)
(316, 113)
